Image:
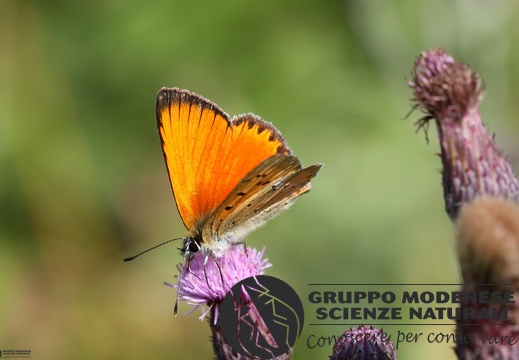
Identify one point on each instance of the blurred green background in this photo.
(83, 182)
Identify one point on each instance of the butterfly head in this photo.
(190, 246)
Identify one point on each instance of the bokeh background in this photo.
(83, 182)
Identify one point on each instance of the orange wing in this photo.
(207, 154)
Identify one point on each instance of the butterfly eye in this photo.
(192, 246)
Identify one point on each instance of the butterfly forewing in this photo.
(206, 153)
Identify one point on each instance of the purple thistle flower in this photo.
(204, 288)
(450, 93)
(363, 343)
(488, 253)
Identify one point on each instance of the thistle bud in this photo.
(450, 92)
(363, 343)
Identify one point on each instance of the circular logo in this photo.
(261, 316)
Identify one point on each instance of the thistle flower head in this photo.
(363, 343)
(450, 92)
(201, 287)
(443, 86)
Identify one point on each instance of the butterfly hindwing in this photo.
(267, 204)
(288, 189)
(265, 192)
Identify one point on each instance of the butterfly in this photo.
(229, 176)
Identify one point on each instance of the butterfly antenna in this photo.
(151, 248)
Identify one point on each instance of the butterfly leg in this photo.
(185, 264)
(189, 268)
(219, 269)
(217, 264)
(244, 247)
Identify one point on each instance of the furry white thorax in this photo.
(217, 247)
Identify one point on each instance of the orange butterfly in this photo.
(229, 176)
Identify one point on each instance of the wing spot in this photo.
(248, 205)
(263, 183)
(228, 207)
(241, 193)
